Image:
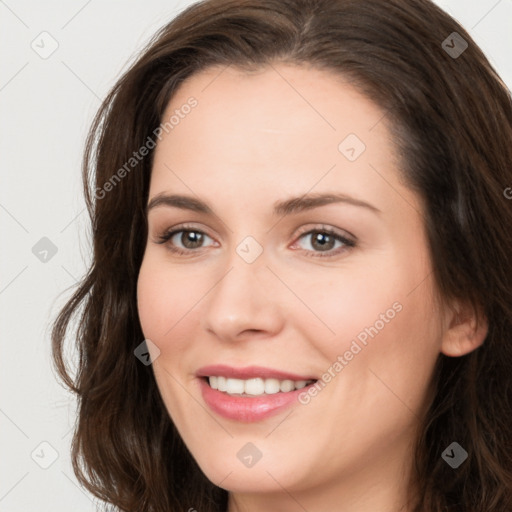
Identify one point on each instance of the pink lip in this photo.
(248, 409)
(249, 372)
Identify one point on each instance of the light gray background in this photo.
(46, 108)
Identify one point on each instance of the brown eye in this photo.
(191, 239)
(324, 241)
(184, 240)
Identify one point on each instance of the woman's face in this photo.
(303, 254)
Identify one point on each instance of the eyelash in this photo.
(347, 243)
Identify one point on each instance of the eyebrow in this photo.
(281, 208)
(310, 201)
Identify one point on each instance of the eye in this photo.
(184, 240)
(318, 242)
(324, 242)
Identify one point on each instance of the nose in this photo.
(244, 303)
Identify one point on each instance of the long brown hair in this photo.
(451, 118)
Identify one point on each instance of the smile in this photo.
(252, 393)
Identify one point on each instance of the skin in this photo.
(255, 139)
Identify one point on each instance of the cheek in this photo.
(151, 297)
(384, 324)
(388, 355)
(165, 298)
(167, 307)
(338, 305)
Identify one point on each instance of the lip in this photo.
(248, 409)
(249, 372)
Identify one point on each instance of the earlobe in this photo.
(466, 331)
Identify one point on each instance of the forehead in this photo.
(282, 128)
(288, 100)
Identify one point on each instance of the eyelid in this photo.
(343, 233)
(347, 242)
(165, 235)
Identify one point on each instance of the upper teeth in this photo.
(255, 386)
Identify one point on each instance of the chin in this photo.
(263, 477)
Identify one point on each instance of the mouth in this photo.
(250, 394)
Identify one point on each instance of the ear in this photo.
(466, 330)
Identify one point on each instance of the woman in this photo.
(300, 295)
